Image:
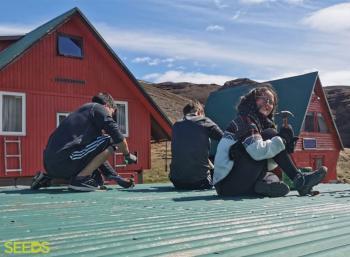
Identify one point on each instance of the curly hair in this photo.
(193, 107)
(247, 102)
(104, 99)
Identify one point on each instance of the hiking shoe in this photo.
(40, 180)
(96, 175)
(85, 184)
(304, 182)
(123, 182)
(274, 189)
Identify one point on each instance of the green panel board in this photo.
(155, 220)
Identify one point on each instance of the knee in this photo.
(269, 133)
(109, 150)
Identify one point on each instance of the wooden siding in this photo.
(35, 73)
(328, 146)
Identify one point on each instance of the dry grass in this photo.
(343, 167)
(158, 173)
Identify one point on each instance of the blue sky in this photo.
(209, 41)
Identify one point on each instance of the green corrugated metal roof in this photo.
(294, 95)
(16, 49)
(155, 220)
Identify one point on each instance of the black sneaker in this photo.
(85, 184)
(40, 180)
(304, 182)
(274, 189)
(123, 182)
(96, 175)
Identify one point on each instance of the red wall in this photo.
(34, 74)
(328, 146)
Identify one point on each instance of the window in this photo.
(12, 113)
(60, 117)
(309, 122)
(318, 161)
(315, 122)
(322, 126)
(122, 117)
(70, 46)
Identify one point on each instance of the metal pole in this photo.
(166, 156)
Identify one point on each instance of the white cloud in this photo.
(327, 77)
(251, 2)
(335, 18)
(255, 1)
(180, 76)
(215, 28)
(220, 5)
(236, 15)
(153, 61)
(264, 57)
(14, 29)
(141, 59)
(333, 78)
(296, 2)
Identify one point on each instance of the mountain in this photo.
(339, 101)
(171, 104)
(188, 90)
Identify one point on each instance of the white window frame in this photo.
(14, 133)
(126, 115)
(60, 114)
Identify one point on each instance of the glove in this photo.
(287, 134)
(123, 182)
(236, 151)
(130, 158)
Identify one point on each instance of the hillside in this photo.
(339, 101)
(170, 103)
(189, 90)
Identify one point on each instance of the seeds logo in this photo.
(26, 247)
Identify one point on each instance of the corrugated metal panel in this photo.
(155, 220)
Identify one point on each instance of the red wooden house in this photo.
(51, 71)
(319, 142)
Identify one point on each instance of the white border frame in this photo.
(13, 133)
(310, 138)
(126, 115)
(58, 114)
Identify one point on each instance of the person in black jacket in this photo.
(80, 146)
(190, 166)
(251, 146)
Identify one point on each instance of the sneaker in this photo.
(85, 184)
(123, 182)
(304, 182)
(96, 175)
(40, 180)
(274, 189)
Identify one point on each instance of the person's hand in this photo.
(130, 158)
(287, 134)
(123, 182)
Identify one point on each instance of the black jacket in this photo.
(190, 148)
(82, 127)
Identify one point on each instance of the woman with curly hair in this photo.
(251, 147)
